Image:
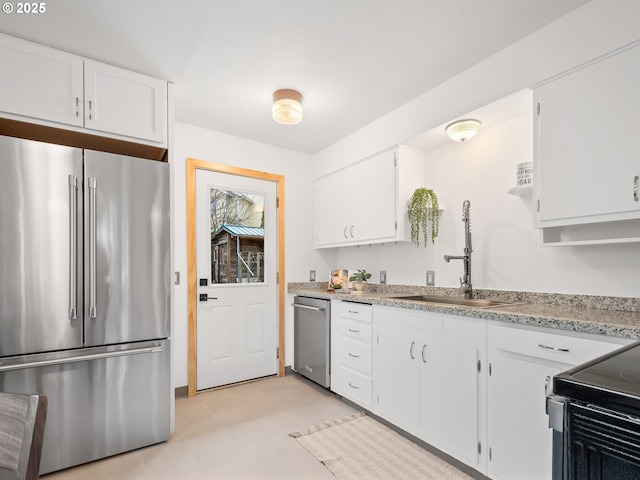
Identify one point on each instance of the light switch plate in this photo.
(383, 277)
(312, 275)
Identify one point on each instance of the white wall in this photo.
(507, 253)
(195, 142)
(594, 29)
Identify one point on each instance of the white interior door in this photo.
(236, 270)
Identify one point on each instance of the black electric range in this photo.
(611, 381)
(597, 418)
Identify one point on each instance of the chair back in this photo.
(22, 419)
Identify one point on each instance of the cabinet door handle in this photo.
(411, 350)
(635, 188)
(344, 232)
(90, 110)
(353, 386)
(351, 231)
(546, 347)
(353, 356)
(424, 347)
(77, 105)
(354, 331)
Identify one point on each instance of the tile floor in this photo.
(240, 432)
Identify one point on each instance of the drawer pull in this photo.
(546, 347)
(353, 356)
(354, 331)
(353, 311)
(353, 386)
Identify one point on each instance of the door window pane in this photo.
(237, 237)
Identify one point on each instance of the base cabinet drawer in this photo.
(356, 355)
(354, 386)
(356, 311)
(356, 330)
(557, 348)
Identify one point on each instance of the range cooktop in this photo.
(611, 381)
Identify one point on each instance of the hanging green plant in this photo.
(423, 209)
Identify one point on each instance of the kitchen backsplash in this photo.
(626, 304)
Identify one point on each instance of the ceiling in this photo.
(352, 60)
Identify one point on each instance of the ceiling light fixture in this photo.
(462, 130)
(287, 107)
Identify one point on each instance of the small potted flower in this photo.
(359, 279)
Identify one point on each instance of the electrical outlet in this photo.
(431, 278)
(312, 275)
(383, 277)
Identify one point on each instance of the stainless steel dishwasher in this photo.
(312, 330)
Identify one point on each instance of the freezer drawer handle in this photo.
(92, 246)
(73, 246)
(80, 358)
(308, 307)
(354, 331)
(353, 356)
(353, 386)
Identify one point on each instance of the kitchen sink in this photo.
(464, 302)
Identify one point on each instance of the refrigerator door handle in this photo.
(73, 246)
(80, 358)
(93, 188)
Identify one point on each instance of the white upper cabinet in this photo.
(40, 82)
(124, 102)
(58, 89)
(366, 202)
(586, 155)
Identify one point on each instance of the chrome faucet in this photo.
(465, 281)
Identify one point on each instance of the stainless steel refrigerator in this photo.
(84, 296)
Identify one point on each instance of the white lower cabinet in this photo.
(352, 351)
(428, 378)
(521, 362)
(397, 375)
(450, 382)
(473, 388)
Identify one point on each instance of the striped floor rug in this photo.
(359, 447)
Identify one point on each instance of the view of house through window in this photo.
(237, 237)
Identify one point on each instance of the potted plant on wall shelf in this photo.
(422, 210)
(360, 279)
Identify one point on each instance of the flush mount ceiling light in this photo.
(462, 130)
(287, 107)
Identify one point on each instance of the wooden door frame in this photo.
(193, 165)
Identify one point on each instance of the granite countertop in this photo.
(613, 316)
